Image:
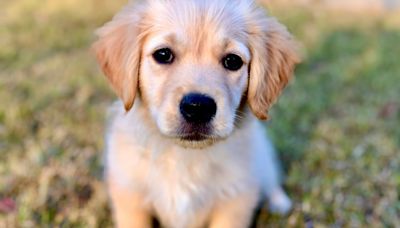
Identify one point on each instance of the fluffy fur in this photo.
(150, 169)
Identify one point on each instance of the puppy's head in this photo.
(195, 63)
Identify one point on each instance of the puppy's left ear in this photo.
(118, 51)
(274, 56)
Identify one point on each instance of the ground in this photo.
(336, 125)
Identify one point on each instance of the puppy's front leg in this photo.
(128, 208)
(236, 212)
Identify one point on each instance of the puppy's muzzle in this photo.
(198, 108)
(198, 111)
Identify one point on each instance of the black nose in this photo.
(198, 108)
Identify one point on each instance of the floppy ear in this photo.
(274, 55)
(118, 52)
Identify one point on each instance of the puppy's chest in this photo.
(182, 185)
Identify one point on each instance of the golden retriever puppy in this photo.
(185, 145)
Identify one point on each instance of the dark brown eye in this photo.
(232, 62)
(164, 56)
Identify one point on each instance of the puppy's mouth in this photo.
(194, 137)
(195, 132)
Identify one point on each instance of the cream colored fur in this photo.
(150, 171)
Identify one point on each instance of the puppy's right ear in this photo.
(118, 51)
(274, 56)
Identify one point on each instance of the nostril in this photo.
(198, 108)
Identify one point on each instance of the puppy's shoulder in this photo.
(116, 109)
(118, 118)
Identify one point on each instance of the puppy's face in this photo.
(193, 76)
(194, 62)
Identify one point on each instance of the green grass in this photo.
(336, 126)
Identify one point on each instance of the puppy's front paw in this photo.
(279, 202)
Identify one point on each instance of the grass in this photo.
(336, 126)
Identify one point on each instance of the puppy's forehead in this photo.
(201, 18)
(202, 25)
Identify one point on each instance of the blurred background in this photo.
(337, 126)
